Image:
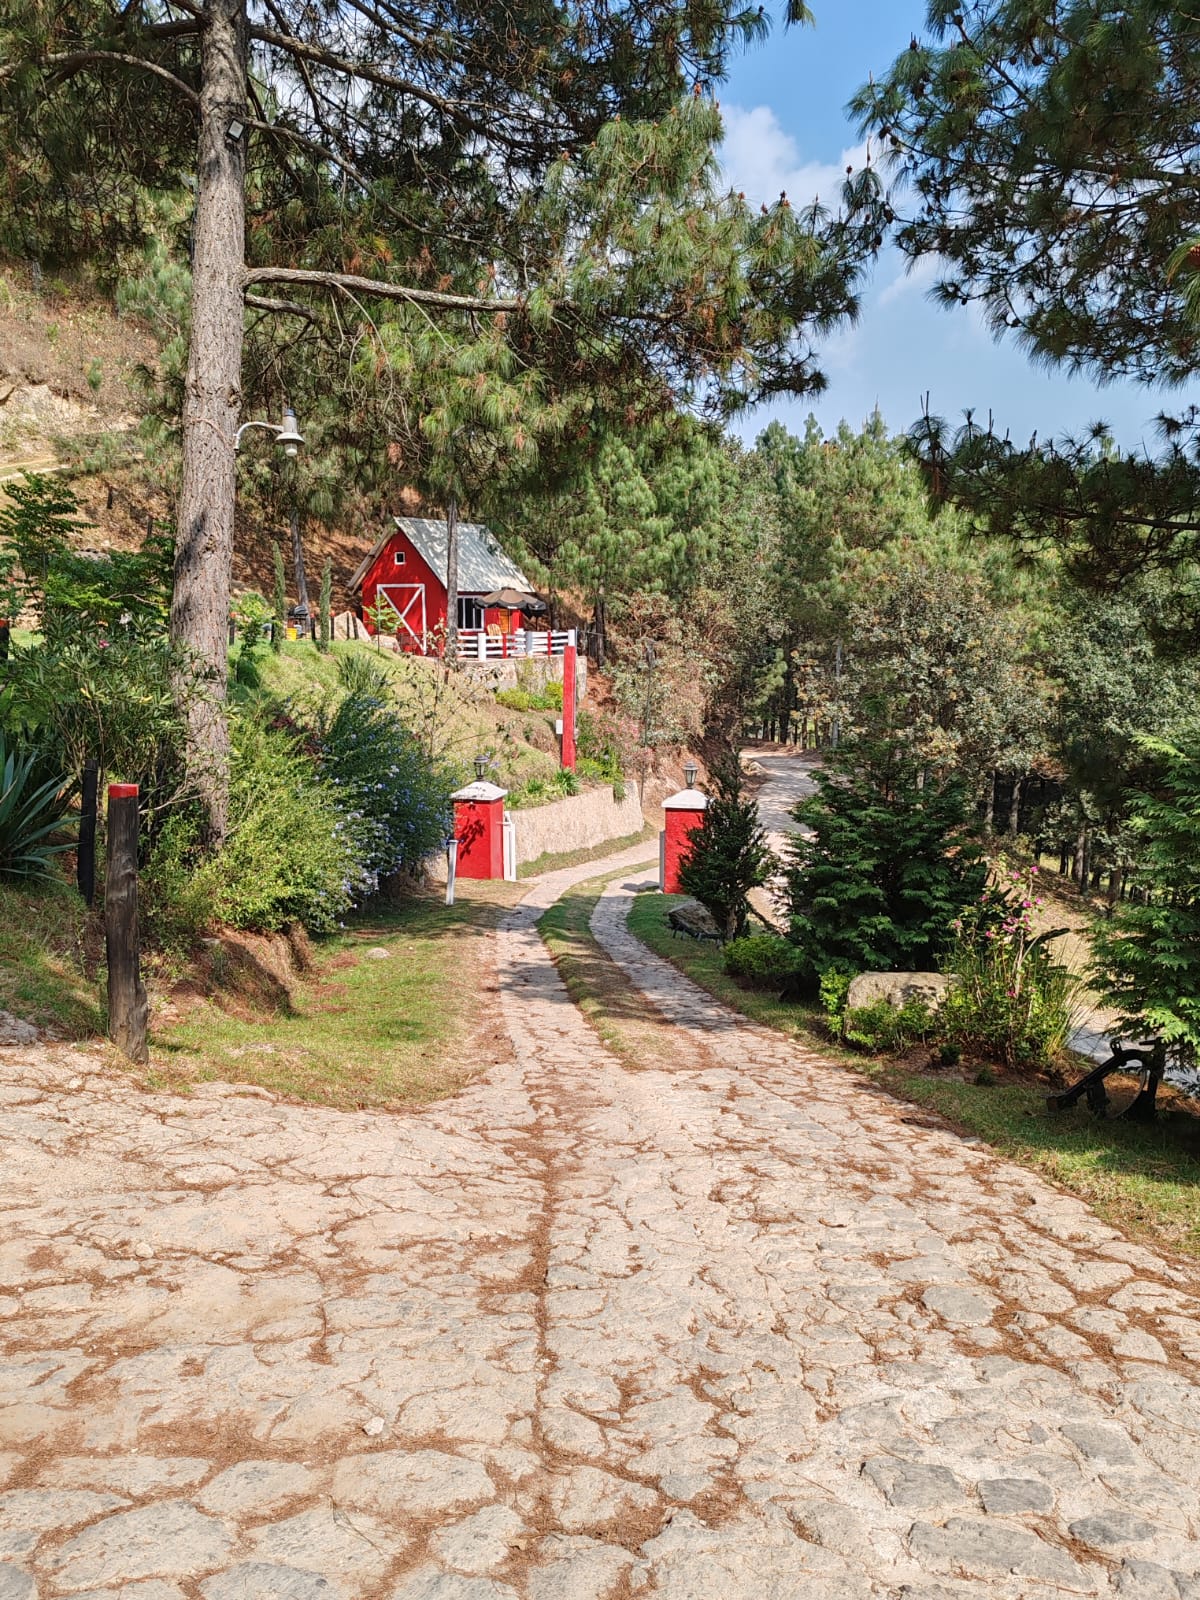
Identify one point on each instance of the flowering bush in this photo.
(1011, 1001)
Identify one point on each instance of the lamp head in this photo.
(690, 770)
(481, 767)
(289, 435)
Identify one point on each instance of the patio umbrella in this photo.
(513, 600)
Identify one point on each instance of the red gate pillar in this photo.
(479, 830)
(570, 663)
(684, 812)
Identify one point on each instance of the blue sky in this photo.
(786, 128)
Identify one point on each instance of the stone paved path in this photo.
(738, 1328)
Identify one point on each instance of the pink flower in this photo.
(104, 644)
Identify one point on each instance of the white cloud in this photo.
(911, 280)
(763, 160)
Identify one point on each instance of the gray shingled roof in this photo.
(482, 565)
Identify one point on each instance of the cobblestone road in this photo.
(736, 1329)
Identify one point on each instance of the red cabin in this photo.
(406, 574)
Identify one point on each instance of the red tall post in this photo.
(570, 659)
(684, 813)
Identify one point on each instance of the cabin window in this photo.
(398, 558)
(470, 612)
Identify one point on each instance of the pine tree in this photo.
(729, 857)
(553, 185)
(324, 606)
(279, 623)
(1148, 956)
(1045, 154)
(885, 862)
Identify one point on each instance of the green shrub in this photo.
(381, 774)
(32, 814)
(888, 865)
(763, 960)
(548, 698)
(884, 1029)
(834, 987)
(540, 791)
(1011, 1001)
(292, 853)
(598, 746)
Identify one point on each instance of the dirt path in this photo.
(738, 1328)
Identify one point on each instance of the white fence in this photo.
(477, 644)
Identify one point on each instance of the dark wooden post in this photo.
(5, 636)
(85, 862)
(126, 992)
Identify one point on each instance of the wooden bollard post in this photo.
(85, 860)
(5, 637)
(126, 992)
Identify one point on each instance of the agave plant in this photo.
(32, 815)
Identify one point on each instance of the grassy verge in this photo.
(1145, 1179)
(550, 861)
(361, 1031)
(594, 982)
(48, 945)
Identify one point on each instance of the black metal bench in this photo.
(680, 922)
(1151, 1062)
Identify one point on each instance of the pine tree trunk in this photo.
(298, 563)
(989, 805)
(1014, 806)
(601, 615)
(211, 404)
(452, 578)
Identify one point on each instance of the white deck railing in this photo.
(479, 645)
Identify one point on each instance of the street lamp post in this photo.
(287, 434)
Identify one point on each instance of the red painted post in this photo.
(126, 993)
(479, 830)
(684, 812)
(568, 716)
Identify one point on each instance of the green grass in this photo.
(360, 1031)
(1145, 1179)
(48, 945)
(550, 861)
(594, 981)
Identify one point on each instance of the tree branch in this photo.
(352, 283)
(362, 70)
(66, 63)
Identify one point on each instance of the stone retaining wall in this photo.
(577, 823)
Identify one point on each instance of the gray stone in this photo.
(413, 1482)
(15, 1584)
(1007, 1496)
(151, 1589)
(1146, 1580)
(962, 1308)
(170, 1539)
(576, 1569)
(377, 953)
(264, 1580)
(257, 1487)
(481, 1542)
(1100, 1443)
(898, 989)
(342, 1546)
(53, 1508)
(912, 1485)
(1112, 1528)
(829, 1523)
(986, 1549)
(427, 1583)
(13, 1030)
